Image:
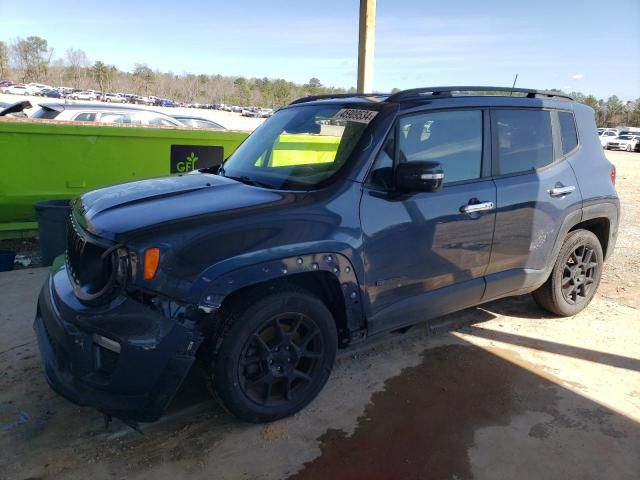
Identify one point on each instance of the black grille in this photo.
(91, 268)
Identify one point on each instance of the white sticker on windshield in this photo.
(355, 115)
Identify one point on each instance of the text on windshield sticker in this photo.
(355, 115)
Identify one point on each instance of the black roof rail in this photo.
(311, 98)
(447, 91)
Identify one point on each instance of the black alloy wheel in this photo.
(575, 275)
(578, 276)
(274, 355)
(280, 359)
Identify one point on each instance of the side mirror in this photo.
(419, 177)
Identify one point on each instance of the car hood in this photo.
(116, 211)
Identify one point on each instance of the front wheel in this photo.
(275, 356)
(575, 276)
(628, 148)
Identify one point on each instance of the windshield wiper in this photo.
(249, 181)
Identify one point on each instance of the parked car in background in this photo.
(112, 98)
(164, 102)
(140, 100)
(197, 122)
(83, 95)
(627, 141)
(607, 135)
(38, 88)
(250, 112)
(265, 112)
(51, 93)
(91, 112)
(17, 89)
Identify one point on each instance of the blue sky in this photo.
(590, 46)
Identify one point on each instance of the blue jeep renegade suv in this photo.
(340, 218)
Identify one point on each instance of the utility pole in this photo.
(365, 45)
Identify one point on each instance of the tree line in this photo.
(32, 60)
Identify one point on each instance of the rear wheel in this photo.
(274, 356)
(575, 276)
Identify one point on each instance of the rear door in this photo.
(536, 190)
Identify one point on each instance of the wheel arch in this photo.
(600, 227)
(328, 275)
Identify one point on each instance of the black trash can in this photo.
(52, 216)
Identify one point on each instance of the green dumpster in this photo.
(50, 160)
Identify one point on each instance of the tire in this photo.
(628, 148)
(260, 372)
(575, 269)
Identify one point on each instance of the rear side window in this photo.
(567, 132)
(85, 117)
(525, 142)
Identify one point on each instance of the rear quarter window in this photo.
(568, 132)
(525, 142)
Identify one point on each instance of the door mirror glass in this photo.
(419, 177)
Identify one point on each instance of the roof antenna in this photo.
(514, 83)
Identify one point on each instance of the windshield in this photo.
(299, 148)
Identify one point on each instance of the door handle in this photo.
(477, 207)
(561, 191)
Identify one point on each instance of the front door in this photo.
(425, 253)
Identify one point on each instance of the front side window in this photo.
(299, 148)
(524, 140)
(567, 131)
(454, 139)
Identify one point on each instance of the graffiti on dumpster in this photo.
(185, 158)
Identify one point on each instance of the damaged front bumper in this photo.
(126, 359)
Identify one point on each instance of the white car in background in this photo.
(84, 95)
(627, 141)
(18, 90)
(112, 98)
(38, 88)
(607, 135)
(96, 112)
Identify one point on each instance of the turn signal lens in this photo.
(151, 262)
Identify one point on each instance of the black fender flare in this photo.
(336, 264)
(608, 210)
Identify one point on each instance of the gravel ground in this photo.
(501, 391)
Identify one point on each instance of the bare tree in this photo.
(31, 57)
(76, 62)
(4, 59)
(144, 75)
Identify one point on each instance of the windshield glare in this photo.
(298, 148)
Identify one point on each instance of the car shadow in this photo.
(465, 412)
